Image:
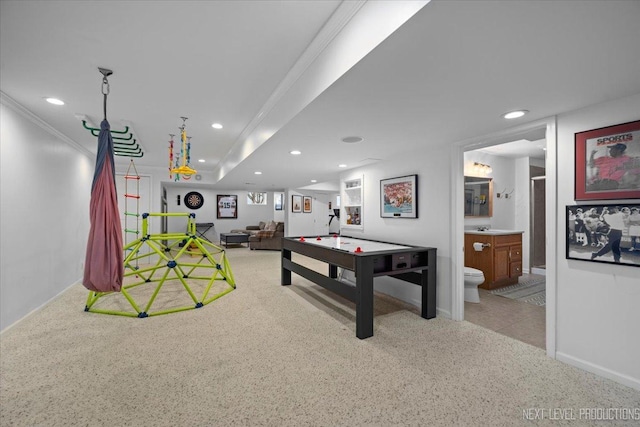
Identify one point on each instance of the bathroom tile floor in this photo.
(518, 320)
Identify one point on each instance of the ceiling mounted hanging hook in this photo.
(105, 87)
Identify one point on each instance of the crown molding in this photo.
(15, 106)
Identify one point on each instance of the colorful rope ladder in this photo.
(131, 233)
(174, 280)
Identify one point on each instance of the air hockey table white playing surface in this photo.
(351, 244)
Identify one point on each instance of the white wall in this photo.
(598, 315)
(430, 229)
(45, 193)
(306, 224)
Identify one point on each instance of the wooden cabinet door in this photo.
(515, 269)
(501, 263)
(515, 252)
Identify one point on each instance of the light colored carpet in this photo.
(531, 288)
(268, 355)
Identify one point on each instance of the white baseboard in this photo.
(599, 370)
(542, 271)
(41, 306)
(443, 313)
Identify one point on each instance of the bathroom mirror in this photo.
(478, 197)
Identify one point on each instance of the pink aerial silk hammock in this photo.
(103, 268)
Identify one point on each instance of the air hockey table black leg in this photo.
(285, 274)
(364, 297)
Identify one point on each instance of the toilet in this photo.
(472, 278)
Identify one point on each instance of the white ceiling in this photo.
(281, 75)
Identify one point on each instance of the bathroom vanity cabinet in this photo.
(500, 258)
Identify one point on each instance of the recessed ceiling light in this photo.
(352, 139)
(54, 101)
(257, 173)
(216, 126)
(515, 114)
(342, 165)
(314, 180)
(201, 160)
(295, 152)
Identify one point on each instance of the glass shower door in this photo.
(538, 228)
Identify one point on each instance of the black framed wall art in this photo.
(296, 203)
(399, 197)
(306, 204)
(607, 163)
(608, 233)
(227, 206)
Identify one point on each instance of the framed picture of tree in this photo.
(256, 198)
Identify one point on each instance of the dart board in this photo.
(193, 200)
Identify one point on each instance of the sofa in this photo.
(265, 235)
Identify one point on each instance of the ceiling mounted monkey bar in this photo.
(121, 138)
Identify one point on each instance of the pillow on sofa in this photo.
(261, 225)
(280, 226)
(271, 226)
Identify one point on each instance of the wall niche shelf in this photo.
(352, 204)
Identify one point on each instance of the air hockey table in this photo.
(367, 259)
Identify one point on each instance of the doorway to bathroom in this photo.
(519, 200)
